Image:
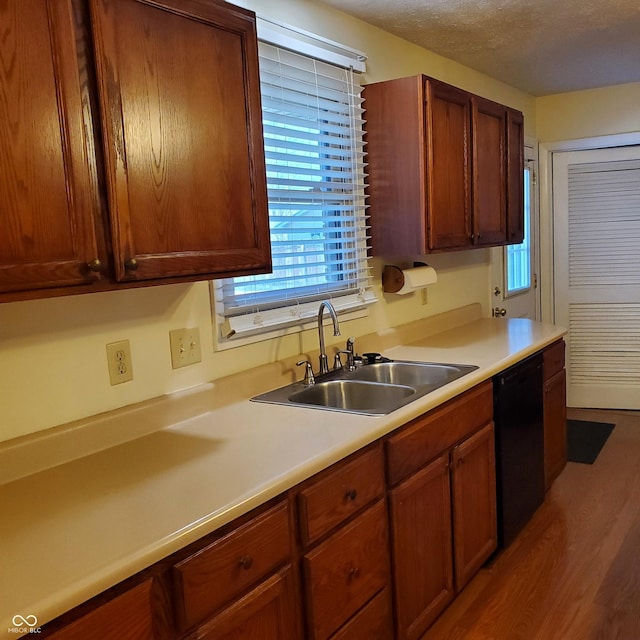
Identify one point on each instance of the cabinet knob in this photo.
(246, 562)
(95, 266)
(351, 494)
(131, 264)
(354, 572)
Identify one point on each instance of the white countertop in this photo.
(69, 532)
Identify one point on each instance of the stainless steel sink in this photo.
(371, 389)
(353, 395)
(413, 374)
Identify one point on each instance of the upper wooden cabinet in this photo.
(515, 176)
(180, 110)
(444, 168)
(489, 127)
(47, 236)
(134, 149)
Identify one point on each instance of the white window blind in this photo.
(314, 150)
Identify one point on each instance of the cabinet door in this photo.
(489, 173)
(421, 548)
(448, 166)
(515, 177)
(47, 236)
(555, 426)
(268, 613)
(475, 524)
(128, 616)
(181, 118)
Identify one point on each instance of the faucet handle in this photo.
(309, 378)
(351, 365)
(351, 341)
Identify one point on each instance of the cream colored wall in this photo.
(586, 114)
(52, 352)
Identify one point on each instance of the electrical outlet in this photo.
(119, 361)
(185, 347)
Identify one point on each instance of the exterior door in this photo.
(596, 206)
(515, 267)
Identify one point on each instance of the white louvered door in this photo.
(597, 273)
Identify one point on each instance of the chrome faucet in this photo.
(324, 361)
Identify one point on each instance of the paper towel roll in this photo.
(402, 281)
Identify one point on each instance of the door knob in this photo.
(498, 311)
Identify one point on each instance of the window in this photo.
(312, 123)
(518, 276)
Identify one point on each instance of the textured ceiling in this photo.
(539, 46)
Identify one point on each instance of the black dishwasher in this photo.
(518, 417)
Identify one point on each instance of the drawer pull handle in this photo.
(354, 572)
(351, 494)
(246, 562)
(95, 266)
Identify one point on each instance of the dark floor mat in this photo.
(585, 439)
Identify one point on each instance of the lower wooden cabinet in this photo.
(421, 533)
(343, 573)
(372, 548)
(268, 612)
(342, 521)
(475, 531)
(555, 412)
(443, 514)
(373, 622)
(208, 579)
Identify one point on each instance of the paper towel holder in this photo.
(393, 278)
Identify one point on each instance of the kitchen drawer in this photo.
(339, 493)
(128, 616)
(429, 435)
(373, 622)
(221, 571)
(267, 612)
(553, 357)
(346, 571)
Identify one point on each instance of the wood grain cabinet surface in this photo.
(554, 411)
(135, 154)
(47, 235)
(442, 506)
(180, 112)
(345, 571)
(130, 615)
(266, 613)
(444, 168)
(224, 569)
(333, 498)
(344, 560)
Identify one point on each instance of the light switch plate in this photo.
(185, 347)
(119, 361)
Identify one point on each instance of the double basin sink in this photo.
(370, 389)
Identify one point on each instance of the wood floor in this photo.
(574, 572)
